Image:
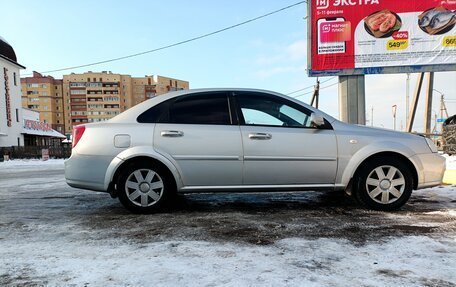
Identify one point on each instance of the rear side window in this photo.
(155, 114)
(203, 109)
(206, 109)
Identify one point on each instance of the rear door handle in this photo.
(260, 136)
(172, 134)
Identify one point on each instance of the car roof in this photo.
(131, 114)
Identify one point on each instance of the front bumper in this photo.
(430, 168)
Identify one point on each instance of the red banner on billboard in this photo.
(359, 34)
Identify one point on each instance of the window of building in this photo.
(94, 85)
(32, 85)
(74, 85)
(17, 115)
(43, 86)
(14, 78)
(88, 79)
(77, 92)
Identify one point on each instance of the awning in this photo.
(47, 133)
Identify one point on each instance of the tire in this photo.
(383, 184)
(145, 187)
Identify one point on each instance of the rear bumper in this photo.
(430, 168)
(87, 171)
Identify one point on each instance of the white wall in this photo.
(30, 115)
(13, 132)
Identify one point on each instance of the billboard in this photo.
(353, 37)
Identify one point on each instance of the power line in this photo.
(303, 89)
(178, 43)
(301, 95)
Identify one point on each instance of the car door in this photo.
(198, 132)
(280, 145)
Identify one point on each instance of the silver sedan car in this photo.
(243, 140)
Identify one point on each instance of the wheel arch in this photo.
(141, 154)
(384, 154)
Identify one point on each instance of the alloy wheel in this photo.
(144, 187)
(385, 184)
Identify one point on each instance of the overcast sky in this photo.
(267, 54)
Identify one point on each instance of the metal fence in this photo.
(20, 152)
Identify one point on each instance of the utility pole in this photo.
(394, 115)
(428, 104)
(316, 94)
(416, 97)
(372, 116)
(443, 109)
(407, 99)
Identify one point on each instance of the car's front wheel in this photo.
(384, 184)
(144, 188)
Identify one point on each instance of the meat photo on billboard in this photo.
(437, 21)
(382, 24)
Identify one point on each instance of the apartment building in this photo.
(44, 94)
(144, 88)
(99, 96)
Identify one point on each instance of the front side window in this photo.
(201, 109)
(265, 110)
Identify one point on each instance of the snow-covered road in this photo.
(53, 235)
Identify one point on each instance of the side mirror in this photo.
(317, 120)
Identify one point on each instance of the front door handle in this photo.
(260, 136)
(172, 134)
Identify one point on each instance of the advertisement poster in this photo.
(360, 34)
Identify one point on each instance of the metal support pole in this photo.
(352, 99)
(428, 107)
(416, 97)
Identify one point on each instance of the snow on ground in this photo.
(30, 163)
(409, 261)
(450, 162)
(53, 235)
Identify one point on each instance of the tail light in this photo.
(78, 131)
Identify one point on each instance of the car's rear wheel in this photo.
(144, 188)
(384, 184)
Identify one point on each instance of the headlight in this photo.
(431, 145)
